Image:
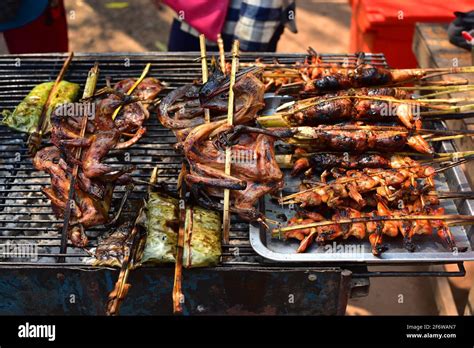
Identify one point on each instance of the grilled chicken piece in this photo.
(357, 230)
(77, 236)
(48, 160)
(255, 171)
(99, 144)
(349, 138)
(131, 118)
(305, 235)
(335, 138)
(183, 108)
(94, 187)
(85, 210)
(147, 90)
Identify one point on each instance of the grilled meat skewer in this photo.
(364, 75)
(345, 106)
(321, 80)
(128, 121)
(337, 138)
(324, 161)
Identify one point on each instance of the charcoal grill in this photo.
(61, 283)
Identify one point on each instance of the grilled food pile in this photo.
(255, 171)
(96, 180)
(355, 134)
(355, 141)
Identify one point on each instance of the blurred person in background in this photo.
(34, 26)
(257, 24)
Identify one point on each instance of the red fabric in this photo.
(206, 16)
(47, 33)
(388, 26)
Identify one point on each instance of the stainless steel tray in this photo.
(429, 248)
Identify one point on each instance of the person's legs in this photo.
(180, 41)
(272, 45)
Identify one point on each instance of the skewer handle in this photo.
(202, 44)
(88, 92)
(220, 44)
(228, 152)
(53, 91)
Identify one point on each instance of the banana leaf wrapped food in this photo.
(202, 243)
(162, 227)
(26, 115)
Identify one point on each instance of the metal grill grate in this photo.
(25, 213)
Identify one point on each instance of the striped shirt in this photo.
(253, 22)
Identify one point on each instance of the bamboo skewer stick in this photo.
(449, 137)
(277, 120)
(435, 88)
(302, 137)
(178, 296)
(452, 195)
(446, 90)
(448, 101)
(449, 110)
(34, 141)
(117, 295)
(220, 45)
(202, 44)
(442, 116)
(228, 152)
(53, 91)
(88, 92)
(131, 89)
(309, 102)
(287, 160)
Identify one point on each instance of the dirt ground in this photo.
(98, 26)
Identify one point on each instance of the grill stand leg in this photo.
(344, 291)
